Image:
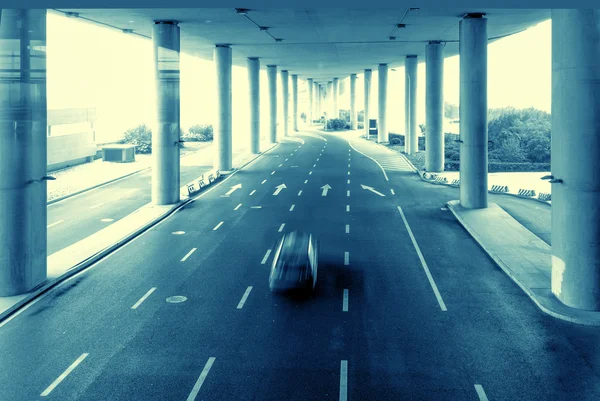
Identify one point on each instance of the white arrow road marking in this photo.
(233, 189)
(371, 189)
(279, 187)
(325, 189)
(201, 379)
(63, 375)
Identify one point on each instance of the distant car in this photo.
(295, 262)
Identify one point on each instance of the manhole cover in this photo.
(178, 232)
(176, 299)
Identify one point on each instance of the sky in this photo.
(97, 67)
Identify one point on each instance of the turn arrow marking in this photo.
(233, 188)
(279, 188)
(325, 188)
(371, 189)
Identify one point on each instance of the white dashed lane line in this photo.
(348, 181)
(300, 193)
(345, 302)
(281, 165)
(344, 380)
(347, 208)
(273, 172)
(348, 193)
(314, 165)
(263, 181)
(348, 173)
(200, 381)
(188, 254)
(347, 228)
(292, 208)
(217, 226)
(252, 193)
(310, 173)
(281, 227)
(142, 299)
(60, 378)
(305, 181)
(266, 257)
(55, 223)
(392, 191)
(244, 298)
(346, 258)
(237, 207)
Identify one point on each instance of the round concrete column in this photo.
(411, 87)
(353, 101)
(382, 131)
(318, 100)
(336, 110)
(254, 91)
(576, 157)
(295, 99)
(434, 106)
(222, 58)
(329, 96)
(272, 82)
(473, 112)
(285, 91)
(23, 147)
(367, 89)
(166, 134)
(310, 85)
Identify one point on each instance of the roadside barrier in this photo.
(545, 196)
(499, 188)
(441, 180)
(456, 183)
(526, 192)
(201, 182)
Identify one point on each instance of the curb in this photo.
(93, 259)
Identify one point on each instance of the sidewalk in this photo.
(523, 256)
(77, 257)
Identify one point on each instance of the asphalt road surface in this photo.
(407, 305)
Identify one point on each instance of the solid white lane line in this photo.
(347, 208)
(217, 226)
(281, 165)
(348, 193)
(142, 299)
(292, 208)
(188, 254)
(346, 258)
(64, 375)
(310, 173)
(305, 181)
(263, 181)
(345, 304)
(237, 207)
(252, 193)
(201, 379)
(98, 205)
(347, 228)
(481, 393)
(344, 380)
(266, 257)
(423, 263)
(300, 193)
(243, 300)
(348, 181)
(55, 223)
(281, 227)
(393, 193)
(273, 172)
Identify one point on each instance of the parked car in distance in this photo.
(295, 262)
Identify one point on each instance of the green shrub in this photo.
(421, 143)
(498, 167)
(199, 133)
(141, 137)
(336, 124)
(360, 126)
(394, 141)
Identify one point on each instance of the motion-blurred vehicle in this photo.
(295, 262)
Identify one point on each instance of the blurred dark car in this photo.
(295, 262)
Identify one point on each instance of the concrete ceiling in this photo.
(316, 43)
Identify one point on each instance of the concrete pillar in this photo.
(311, 103)
(336, 110)
(166, 134)
(319, 106)
(222, 59)
(382, 118)
(295, 100)
(329, 96)
(286, 101)
(353, 101)
(23, 147)
(410, 69)
(254, 91)
(434, 106)
(576, 157)
(473, 112)
(272, 82)
(367, 78)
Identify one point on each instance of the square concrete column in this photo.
(311, 102)
(411, 140)
(336, 110)
(473, 112)
(367, 96)
(353, 101)
(286, 101)
(23, 147)
(434, 106)
(166, 134)
(272, 82)
(254, 92)
(295, 101)
(222, 58)
(382, 132)
(576, 158)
